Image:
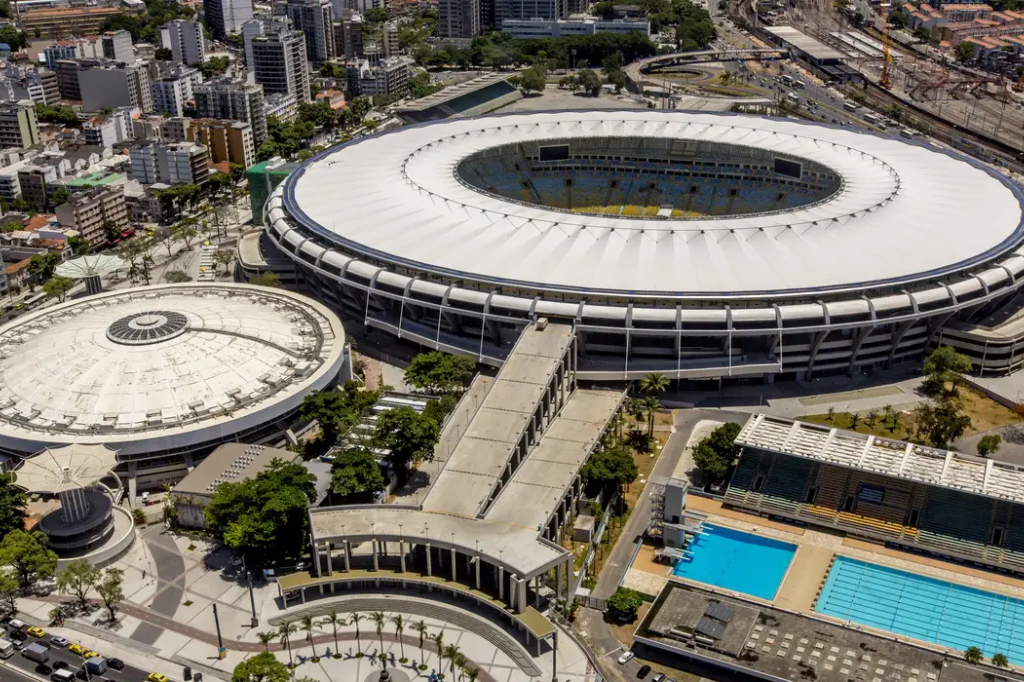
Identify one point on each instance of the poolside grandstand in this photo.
(945, 503)
(469, 98)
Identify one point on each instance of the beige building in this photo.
(18, 124)
(60, 19)
(89, 212)
(230, 141)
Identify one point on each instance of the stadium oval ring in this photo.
(916, 244)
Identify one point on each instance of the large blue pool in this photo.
(924, 608)
(737, 561)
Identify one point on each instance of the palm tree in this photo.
(307, 627)
(999, 661)
(831, 414)
(460, 663)
(355, 621)
(334, 621)
(439, 643)
(654, 383)
(897, 417)
(471, 674)
(379, 619)
(265, 639)
(421, 629)
(399, 628)
(652, 405)
(451, 652)
(887, 412)
(285, 632)
(872, 418)
(854, 420)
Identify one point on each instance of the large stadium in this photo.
(699, 245)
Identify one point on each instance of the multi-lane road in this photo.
(17, 665)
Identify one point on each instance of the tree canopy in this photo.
(337, 411)
(43, 264)
(610, 469)
(408, 434)
(988, 445)
(213, 66)
(77, 578)
(532, 79)
(263, 667)
(56, 114)
(940, 422)
(439, 372)
(355, 470)
(716, 453)
(12, 506)
(28, 555)
(146, 26)
(943, 368)
(58, 287)
(264, 517)
(623, 605)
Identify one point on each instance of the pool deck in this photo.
(806, 573)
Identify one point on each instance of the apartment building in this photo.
(458, 19)
(173, 91)
(279, 63)
(115, 84)
(390, 77)
(315, 19)
(18, 126)
(63, 18)
(185, 41)
(172, 163)
(93, 211)
(235, 100)
(110, 129)
(225, 17)
(20, 83)
(230, 141)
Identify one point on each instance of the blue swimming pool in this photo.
(736, 561)
(924, 608)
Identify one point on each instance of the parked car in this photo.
(658, 677)
(57, 640)
(77, 649)
(156, 677)
(643, 672)
(626, 657)
(36, 632)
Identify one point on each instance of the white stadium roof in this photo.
(905, 212)
(162, 367)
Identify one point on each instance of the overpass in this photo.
(636, 70)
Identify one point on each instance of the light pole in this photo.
(252, 599)
(221, 651)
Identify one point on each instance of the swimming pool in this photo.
(924, 608)
(737, 561)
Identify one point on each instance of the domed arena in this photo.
(701, 245)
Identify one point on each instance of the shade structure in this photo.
(60, 469)
(91, 265)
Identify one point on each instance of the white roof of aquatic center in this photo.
(905, 211)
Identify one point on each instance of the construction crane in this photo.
(885, 81)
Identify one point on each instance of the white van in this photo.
(62, 676)
(850, 106)
(6, 648)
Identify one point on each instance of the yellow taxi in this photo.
(77, 649)
(156, 677)
(36, 632)
(90, 654)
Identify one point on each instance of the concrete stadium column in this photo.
(521, 603)
(455, 570)
(316, 556)
(558, 581)
(513, 590)
(478, 561)
(330, 563)
(401, 553)
(429, 573)
(501, 582)
(536, 592)
(373, 546)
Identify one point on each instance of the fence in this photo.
(601, 528)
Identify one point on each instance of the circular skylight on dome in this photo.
(147, 327)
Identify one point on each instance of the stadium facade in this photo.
(163, 374)
(696, 244)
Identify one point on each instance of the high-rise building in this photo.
(315, 19)
(527, 9)
(18, 124)
(279, 63)
(226, 16)
(185, 41)
(117, 45)
(109, 129)
(93, 212)
(458, 19)
(20, 83)
(175, 163)
(170, 94)
(390, 77)
(235, 100)
(113, 85)
(229, 141)
(352, 34)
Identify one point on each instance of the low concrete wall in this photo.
(110, 551)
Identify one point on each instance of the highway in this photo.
(75, 662)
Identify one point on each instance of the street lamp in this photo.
(252, 599)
